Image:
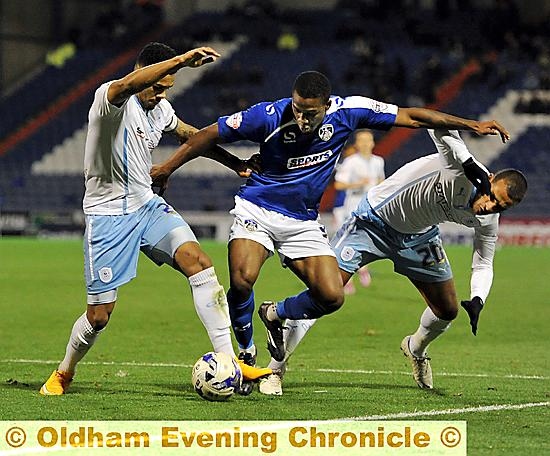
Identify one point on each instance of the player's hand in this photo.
(160, 178)
(249, 166)
(199, 56)
(254, 162)
(473, 307)
(477, 176)
(492, 127)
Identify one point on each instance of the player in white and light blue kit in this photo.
(277, 209)
(398, 218)
(123, 215)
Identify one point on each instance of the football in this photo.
(216, 376)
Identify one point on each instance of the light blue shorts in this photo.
(363, 240)
(112, 243)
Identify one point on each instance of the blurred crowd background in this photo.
(478, 59)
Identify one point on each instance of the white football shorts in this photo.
(290, 237)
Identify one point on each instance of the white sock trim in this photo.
(205, 276)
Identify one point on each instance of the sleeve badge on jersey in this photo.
(234, 121)
(380, 107)
(326, 131)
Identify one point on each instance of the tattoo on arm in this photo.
(184, 131)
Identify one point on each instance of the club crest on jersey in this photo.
(308, 160)
(326, 131)
(234, 121)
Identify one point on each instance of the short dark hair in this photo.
(516, 183)
(154, 53)
(312, 84)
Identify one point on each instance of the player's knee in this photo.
(190, 259)
(448, 313)
(243, 282)
(98, 321)
(98, 316)
(330, 300)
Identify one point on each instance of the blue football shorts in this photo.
(362, 240)
(112, 243)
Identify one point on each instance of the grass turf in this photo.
(348, 366)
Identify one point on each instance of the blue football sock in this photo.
(301, 306)
(241, 319)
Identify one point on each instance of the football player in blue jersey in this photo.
(300, 140)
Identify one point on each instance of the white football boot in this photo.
(422, 371)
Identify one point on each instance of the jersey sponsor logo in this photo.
(442, 202)
(289, 137)
(234, 121)
(105, 275)
(270, 109)
(347, 253)
(326, 131)
(308, 160)
(140, 133)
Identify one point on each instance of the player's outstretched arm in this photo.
(203, 143)
(141, 78)
(195, 146)
(428, 118)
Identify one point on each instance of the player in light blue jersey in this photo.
(123, 216)
(397, 219)
(277, 209)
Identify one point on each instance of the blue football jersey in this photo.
(296, 167)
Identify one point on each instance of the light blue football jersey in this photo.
(296, 167)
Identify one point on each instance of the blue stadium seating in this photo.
(20, 190)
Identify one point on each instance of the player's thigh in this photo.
(165, 232)
(246, 258)
(250, 243)
(440, 297)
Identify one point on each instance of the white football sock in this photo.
(430, 328)
(295, 331)
(82, 338)
(212, 309)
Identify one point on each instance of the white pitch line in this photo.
(341, 371)
(442, 374)
(94, 363)
(482, 408)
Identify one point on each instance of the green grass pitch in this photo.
(348, 366)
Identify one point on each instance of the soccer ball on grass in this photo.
(216, 376)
